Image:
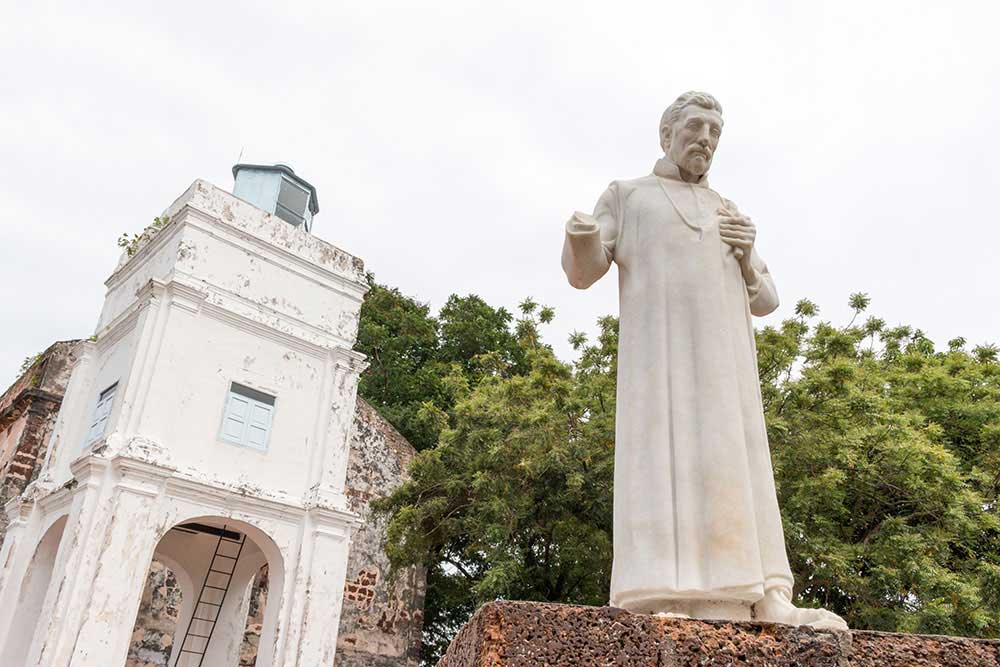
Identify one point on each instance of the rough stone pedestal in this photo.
(529, 634)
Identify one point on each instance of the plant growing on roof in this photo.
(131, 243)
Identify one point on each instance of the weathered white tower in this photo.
(206, 424)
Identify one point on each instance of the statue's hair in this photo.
(673, 112)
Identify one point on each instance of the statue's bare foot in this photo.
(777, 607)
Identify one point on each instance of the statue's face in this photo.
(694, 138)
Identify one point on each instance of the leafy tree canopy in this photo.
(418, 361)
(886, 455)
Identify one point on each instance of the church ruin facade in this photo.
(211, 425)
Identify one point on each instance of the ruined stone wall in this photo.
(28, 410)
(255, 619)
(537, 634)
(159, 609)
(382, 617)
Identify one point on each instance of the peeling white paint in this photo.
(224, 293)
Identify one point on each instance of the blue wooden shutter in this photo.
(102, 413)
(247, 418)
(234, 425)
(258, 425)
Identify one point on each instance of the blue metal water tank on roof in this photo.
(278, 190)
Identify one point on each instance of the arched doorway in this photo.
(31, 596)
(215, 561)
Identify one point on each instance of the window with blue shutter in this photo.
(99, 422)
(247, 418)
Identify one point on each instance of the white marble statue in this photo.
(697, 531)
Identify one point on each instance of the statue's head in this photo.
(689, 131)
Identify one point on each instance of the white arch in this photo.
(188, 556)
(50, 520)
(31, 596)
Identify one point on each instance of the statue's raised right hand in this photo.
(581, 222)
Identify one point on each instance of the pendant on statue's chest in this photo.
(684, 218)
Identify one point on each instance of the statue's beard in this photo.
(696, 162)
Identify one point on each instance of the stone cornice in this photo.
(87, 469)
(139, 476)
(350, 360)
(24, 401)
(329, 510)
(56, 499)
(140, 470)
(17, 509)
(352, 289)
(189, 214)
(335, 523)
(227, 499)
(115, 330)
(196, 299)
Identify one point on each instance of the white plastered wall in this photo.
(224, 293)
(31, 596)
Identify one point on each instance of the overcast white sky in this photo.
(449, 142)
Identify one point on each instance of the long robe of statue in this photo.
(696, 513)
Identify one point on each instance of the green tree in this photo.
(418, 361)
(471, 328)
(400, 338)
(513, 502)
(886, 455)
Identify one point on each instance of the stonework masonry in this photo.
(530, 634)
(27, 412)
(382, 616)
(153, 636)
